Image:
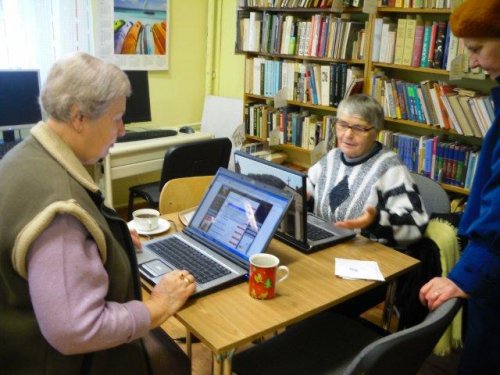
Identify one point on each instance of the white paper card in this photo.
(357, 269)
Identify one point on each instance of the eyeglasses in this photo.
(356, 128)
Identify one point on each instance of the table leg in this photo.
(189, 344)
(389, 305)
(222, 363)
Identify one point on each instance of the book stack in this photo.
(321, 35)
(446, 162)
(288, 3)
(414, 42)
(297, 128)
(438, 4)
(318, 84)
(434, 103)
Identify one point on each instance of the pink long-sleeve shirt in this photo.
(68, 285)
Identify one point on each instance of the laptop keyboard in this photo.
(182, 256)
(315, 233)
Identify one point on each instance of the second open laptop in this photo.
(299, 228)
(236, 218)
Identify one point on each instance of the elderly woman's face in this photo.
(355, 136)
(100, 134)
(484, 52)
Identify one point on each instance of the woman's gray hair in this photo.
(86, 81)
(363, 106)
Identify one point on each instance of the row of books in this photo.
(287, 34)
(447, 162)
(439, 4)
(434, 103)
(290, 125)
(287, 3)
(319, 84)
(414, 42)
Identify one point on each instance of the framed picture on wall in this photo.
(134, 34)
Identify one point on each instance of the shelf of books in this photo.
(420, 74)
(302, 58)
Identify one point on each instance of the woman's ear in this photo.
(76, 118)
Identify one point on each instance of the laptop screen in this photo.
(293, 223)
(239, 214)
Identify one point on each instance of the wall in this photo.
(202, 61)
(176, 95)
(228, 67)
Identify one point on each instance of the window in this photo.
(35, 33)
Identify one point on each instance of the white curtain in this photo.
(35, 33)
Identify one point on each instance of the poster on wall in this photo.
(133, 34)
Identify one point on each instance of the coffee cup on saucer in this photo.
(146, 219)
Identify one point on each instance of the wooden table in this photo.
(230, 318)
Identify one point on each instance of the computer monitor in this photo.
(19, 108)
(138, 105)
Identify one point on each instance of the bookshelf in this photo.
(428, 91)
(424, 85)
(300, 61)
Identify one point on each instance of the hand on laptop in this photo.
(363, 221)
(169, 295)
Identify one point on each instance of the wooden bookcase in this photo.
(363, 64)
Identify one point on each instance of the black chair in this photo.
(199, 158)
(331, 343)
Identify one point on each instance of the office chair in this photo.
(331, 343)
(173, 197)
(199, 158)
(436, 200)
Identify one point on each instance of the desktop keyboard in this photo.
(183, 257)
(146, 134)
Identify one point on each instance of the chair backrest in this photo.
(182, 193)
(199, 158)
(435, 198)
(404, 352)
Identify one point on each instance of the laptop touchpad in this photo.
(155, 268)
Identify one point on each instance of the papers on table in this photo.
(357, 269)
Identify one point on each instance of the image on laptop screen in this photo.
(236, 218)
(293, 223)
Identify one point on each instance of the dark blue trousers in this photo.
(481, 353)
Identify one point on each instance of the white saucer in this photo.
(163, 226)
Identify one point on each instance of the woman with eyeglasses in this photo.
(362, 185)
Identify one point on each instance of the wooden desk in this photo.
(230, 318)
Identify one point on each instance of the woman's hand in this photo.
(439, 290)
(363, 221)
(136, 240)
(169, 295)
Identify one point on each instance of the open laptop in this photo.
(236, 218)
(299, 228)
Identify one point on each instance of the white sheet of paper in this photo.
(357, 269)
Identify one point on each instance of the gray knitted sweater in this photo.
(342, 189)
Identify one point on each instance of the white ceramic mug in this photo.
(146, 219)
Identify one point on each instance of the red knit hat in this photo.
(476, 19)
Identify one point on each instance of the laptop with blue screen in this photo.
(236, 218)
(299, 228)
